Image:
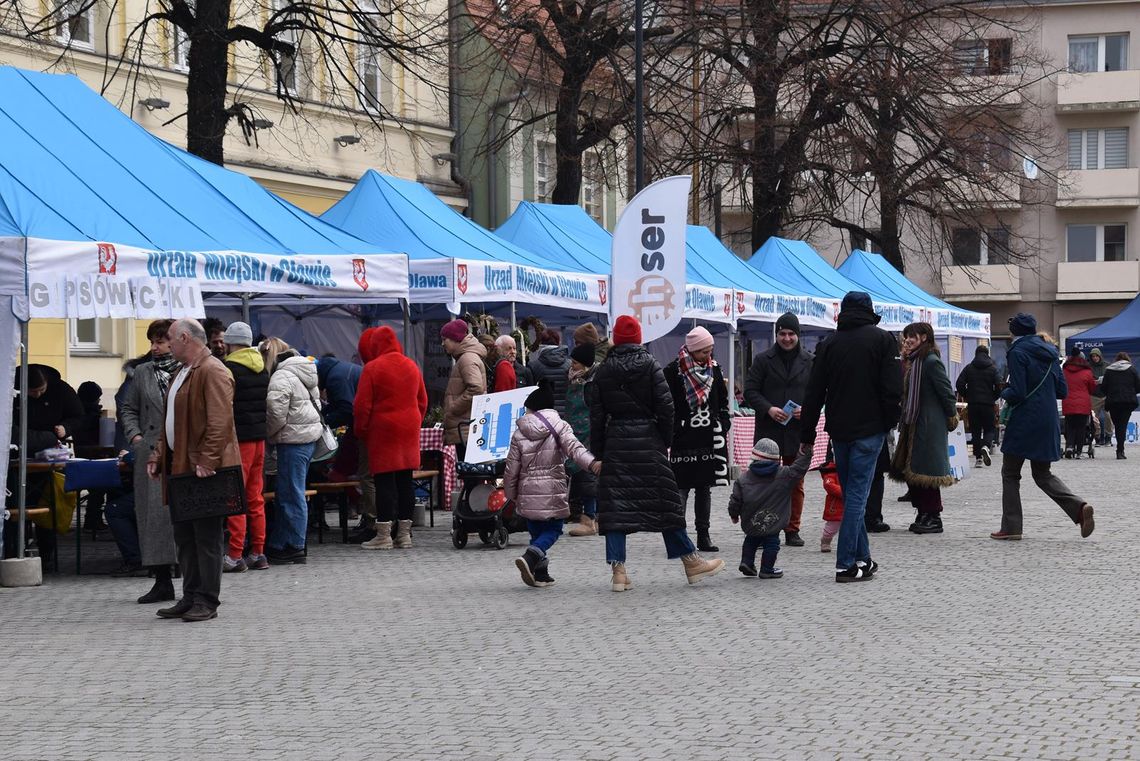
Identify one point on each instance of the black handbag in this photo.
(192, 497)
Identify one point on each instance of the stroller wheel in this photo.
(501, 538)
(458, 534)
(486, 536)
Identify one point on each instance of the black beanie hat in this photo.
(788, 321)
(1022, 324)
(584, 354)
(542, 398)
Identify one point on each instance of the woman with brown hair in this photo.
(922, 459)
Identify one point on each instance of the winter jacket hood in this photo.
(1120, 364)
(248, 357)
(364, 346)
(384, 341)
(982, 361)
(1076, 364)
(763, 469)
(856, 316)
(470, 345)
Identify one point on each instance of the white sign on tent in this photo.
(648, 275)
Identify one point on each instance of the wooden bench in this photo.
(271, 496)
(340, 489)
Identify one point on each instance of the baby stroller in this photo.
(482, 507)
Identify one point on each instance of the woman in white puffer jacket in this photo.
(292, 425)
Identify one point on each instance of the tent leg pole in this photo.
(731, 392)
(406, 308)
(514, 319)
(22, 484)
(245, 309)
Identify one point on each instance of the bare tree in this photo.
(349, 47)
(572, 56)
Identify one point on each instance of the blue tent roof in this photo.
(875, 273)
(1120, 333)
(797, 265)
(406, 216)
(75, 168)
(562, 233)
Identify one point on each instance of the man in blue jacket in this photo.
(338, 380)
(1033, 429)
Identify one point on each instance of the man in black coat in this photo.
(778, 376)
(979, 385)
(858, 376)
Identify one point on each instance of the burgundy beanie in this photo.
(456, 330)
(627, 330)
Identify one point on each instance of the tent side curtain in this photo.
(94, 195)
(1117, 334)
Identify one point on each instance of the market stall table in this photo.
(431, 440)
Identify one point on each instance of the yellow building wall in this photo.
(47, 343)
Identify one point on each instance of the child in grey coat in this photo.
(762, 502)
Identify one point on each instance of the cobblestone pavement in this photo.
(961, 647)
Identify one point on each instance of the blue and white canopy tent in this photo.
(1120, 333)
(99, 218)
(452, 259)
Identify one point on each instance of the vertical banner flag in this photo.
(648, 279)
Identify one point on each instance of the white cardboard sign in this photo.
(489, 436)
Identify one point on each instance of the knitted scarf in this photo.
(579, 376)
(913, 383)
(165, 366)
(698, 379)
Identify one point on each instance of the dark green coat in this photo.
(922, 457)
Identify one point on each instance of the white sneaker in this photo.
(986, 456)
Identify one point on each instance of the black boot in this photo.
(919, 522)
(163, 588)
(528, 564)
(931, 525)
(704, 542)
(542, 577)
(793, 539)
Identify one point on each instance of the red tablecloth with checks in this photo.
(744, 429)
(431, 439)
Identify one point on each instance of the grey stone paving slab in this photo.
(962, 647)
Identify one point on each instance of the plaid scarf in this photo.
(912, 383)
(698, 379)
(165, 366)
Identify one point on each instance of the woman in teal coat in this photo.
(922, 458)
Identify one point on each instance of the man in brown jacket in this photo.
(198, 438)
(468, 380)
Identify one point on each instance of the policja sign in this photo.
(648, 255)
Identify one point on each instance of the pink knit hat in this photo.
(698, 338)
(456, 330)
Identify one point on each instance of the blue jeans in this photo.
(590, 506)
(856, 461)
(292, 518)
(677, 544)
(120, 515)
(771, 545)
(543, 534)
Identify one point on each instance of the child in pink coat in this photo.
(537, 482)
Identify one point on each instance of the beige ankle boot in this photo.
(404, 535)
(586, 526)
(620, 581)
(383, 538)
(697, 568)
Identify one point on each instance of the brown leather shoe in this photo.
(176, 610)
(199, 612)
(1087, 522)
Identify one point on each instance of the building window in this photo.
(1104, 52)
(84, 335)
(286, 65)
(861, 242)
(1098, 148)
(979, 57)
(971, 247)
(544, 170)
(369, 58)
(592, 192)
(77, 24)
(180, 44)
(1094, 243)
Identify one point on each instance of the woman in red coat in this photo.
(1077, 406)
(390, 404)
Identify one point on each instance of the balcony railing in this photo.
(982, 282)
(1104, 188)
(1099, 91)
(1097, 280)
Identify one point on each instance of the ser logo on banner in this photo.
(649, 257)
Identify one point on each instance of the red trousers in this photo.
(797, 502)
(252, 464)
